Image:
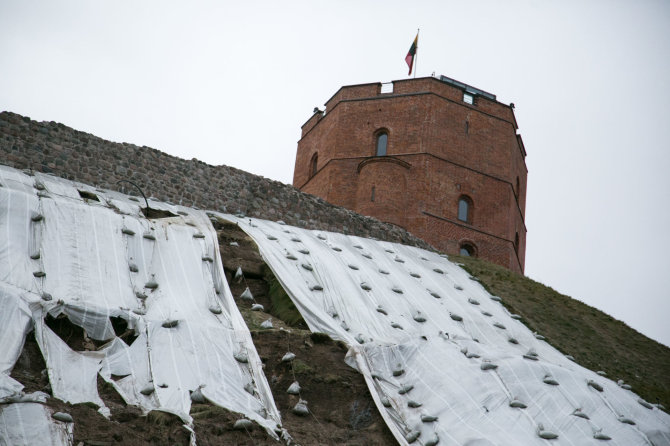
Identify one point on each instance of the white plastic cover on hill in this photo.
(95, 258)
(442, 358)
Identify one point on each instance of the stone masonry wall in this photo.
(54, 148)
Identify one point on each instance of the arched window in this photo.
(313, 165)
(465, 209)
(468, 250)
(382, 142)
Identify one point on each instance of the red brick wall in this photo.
(439, 148)
(353, 92)
(391, 189)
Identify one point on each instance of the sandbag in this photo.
(294, 388)
(62, 416)
(243, 424)
(301, 408)
(246, 295)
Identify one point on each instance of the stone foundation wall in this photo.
(54, 148)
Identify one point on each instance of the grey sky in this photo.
(231, 83)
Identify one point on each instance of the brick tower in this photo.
(435, 156)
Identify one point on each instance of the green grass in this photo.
(596, 340)
(88, 404)
(331, 378)
(252, 318)
(158, 418)
(301, 367)
(282, 306)
(207, 411)
(320, 338)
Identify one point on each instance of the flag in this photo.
(412, 53)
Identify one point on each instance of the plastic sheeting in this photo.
(31, 424)
(442, 358)
(62, 253)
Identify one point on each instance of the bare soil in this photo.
(342, 411)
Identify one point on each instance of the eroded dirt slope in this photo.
(342, 410)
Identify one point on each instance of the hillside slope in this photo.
(342, 406)
(596, 340)
(343, 411)
(415, 322)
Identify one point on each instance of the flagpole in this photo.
(416, 52)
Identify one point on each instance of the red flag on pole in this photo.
(412, 53)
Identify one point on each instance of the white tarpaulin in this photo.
(443, 359)
(31, 424)
(69, 249)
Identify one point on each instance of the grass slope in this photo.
(596, 340)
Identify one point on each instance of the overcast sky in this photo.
(232, 82)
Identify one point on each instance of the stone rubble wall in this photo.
(54, 148)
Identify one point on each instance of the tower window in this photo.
(465, 209)
(468, 250)
(313, 165)
(382, 142)
(372, 195)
